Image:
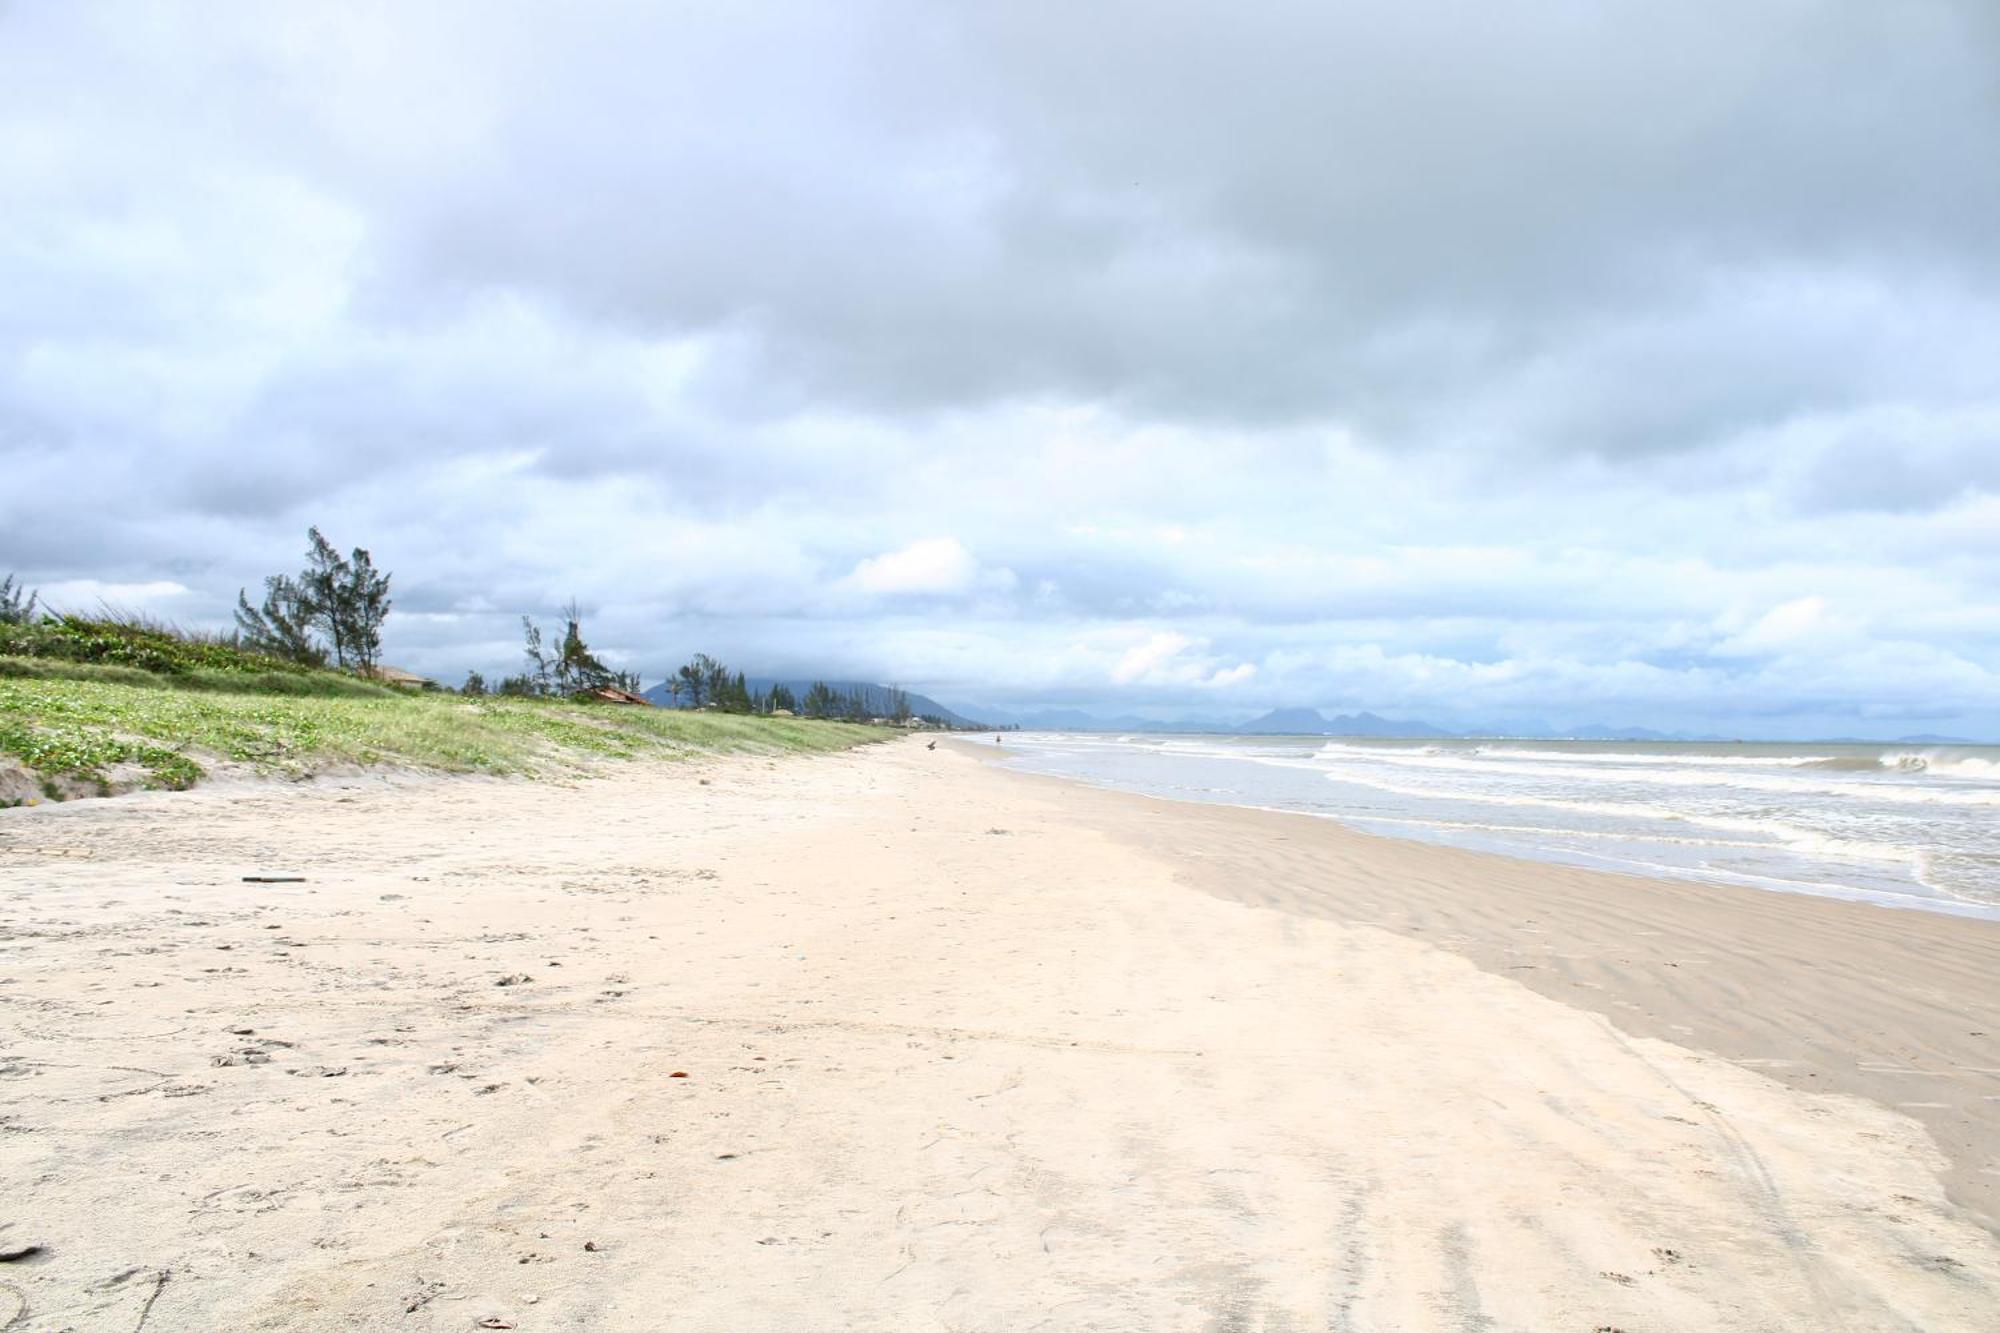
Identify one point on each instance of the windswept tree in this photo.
(342, 598)
(697, 677)
(364, 606)
(283, 625)
(570, 667)
(540, 676)
(577, 668)
(17, 604)
(781, 697)
(475, 685)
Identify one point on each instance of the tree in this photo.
(343, 598)
(899, 703)
(364, 604)
(577, 668)
(475, 685)
(820, 700)
(735, 697)
(697, 677)
(14, 610)
(781, 697)
(324, 585)
(518, 687)
(717, 682)
(540, 669)
(283, 626)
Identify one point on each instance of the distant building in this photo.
(401, 679)
(611, 694)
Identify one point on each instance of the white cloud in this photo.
(937, 565)
(1170, 658)
(1146, 659)
(85, 596)
(1800, 624)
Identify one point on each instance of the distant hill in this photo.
(878, 697)
(1618, 734)
(1279, 722)
(1070, 719)
(1310, 722)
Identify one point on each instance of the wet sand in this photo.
(1899, 1006)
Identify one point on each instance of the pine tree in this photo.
(13, 609)
(577, 668)
(325, 589)
(697, 677)
(364, 603)
(540, 668)
(282, 627)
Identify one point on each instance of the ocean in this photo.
(1902, 825)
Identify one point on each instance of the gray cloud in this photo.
(1639, 359)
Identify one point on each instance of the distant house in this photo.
(611, 694)
(401, 679)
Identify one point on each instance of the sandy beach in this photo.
(900, 1039)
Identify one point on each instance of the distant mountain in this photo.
(1052, 719)
(1928, 739)
(878, 697)
(1285, 722)
(1280, 722)
(1597, 733)
(1310, 722)
(1071, 719)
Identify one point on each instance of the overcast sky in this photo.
(1590, 360)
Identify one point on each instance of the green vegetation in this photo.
(95, 704)
(143, 645)
(78, 734)
(337, 603)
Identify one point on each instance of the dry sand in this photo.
(961, 1050)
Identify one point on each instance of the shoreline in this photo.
(886, 1037)
(1897, 1005)
(1796, 841)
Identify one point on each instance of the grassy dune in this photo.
(81, 730)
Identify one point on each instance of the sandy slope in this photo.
(960, 1054)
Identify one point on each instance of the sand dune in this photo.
(883, 1040)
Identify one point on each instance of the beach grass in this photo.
(86, 728)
